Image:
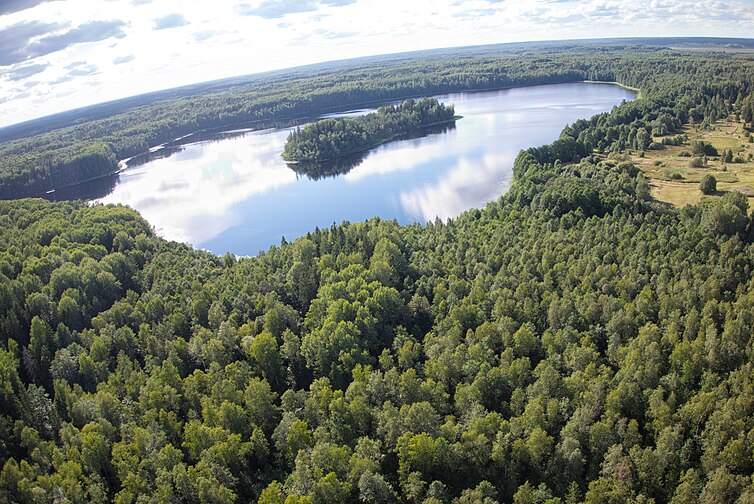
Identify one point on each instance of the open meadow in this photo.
(674, 180)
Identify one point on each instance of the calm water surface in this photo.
(236, 194)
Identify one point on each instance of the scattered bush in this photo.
(708, 185)
(674, 140)
(698, 162)
(702, 148)
(671, 175)
(684, 153)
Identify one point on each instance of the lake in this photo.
(234, 193)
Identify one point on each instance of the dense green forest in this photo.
(30, 166)
(331, 138)
(317, 170)
(574, 341)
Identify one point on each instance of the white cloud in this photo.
(92, 31)
(16, 39)
(281, 33)
(24, 72)
(271, 9)
(10, 6)
(174, 20)
(119, 60)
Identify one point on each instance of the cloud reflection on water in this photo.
(237, 194)
(472, 182)
(402, 156)
(194, 209)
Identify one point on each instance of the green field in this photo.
(659, 166)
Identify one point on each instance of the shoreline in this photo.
(370, 146)
(639, 93)
(176, 142)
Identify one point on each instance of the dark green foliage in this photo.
(678, 87)
(702, 148)
(729, 216)
(329, 139)
(571, 342)
(708, 184)
(674, 140)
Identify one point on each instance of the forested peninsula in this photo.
(330, 139)
(574, 341)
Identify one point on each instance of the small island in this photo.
(331, 139)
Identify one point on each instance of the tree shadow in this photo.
(87, 190)
(147, 157)
(326, 169)
(344, 164)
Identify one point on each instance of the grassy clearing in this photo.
(674, 181)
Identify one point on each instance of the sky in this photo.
(57, 55)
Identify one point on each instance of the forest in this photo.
(30, 166)
(329, 139)
(574, 341)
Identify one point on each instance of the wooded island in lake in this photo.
(329, 139)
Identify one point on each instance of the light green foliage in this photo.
(572, 342)
(264, 354)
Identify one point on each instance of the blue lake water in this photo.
(236, 194)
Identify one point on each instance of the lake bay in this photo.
(234, 193)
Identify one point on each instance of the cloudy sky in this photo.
(61, 54)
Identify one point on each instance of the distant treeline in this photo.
(69, 154)
(330, 138)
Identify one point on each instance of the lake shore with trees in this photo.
(331, 139)
(575, 341)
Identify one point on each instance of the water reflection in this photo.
(343, 165)
(333, 168)
(233, 192)
(469, 180)
(89, 190)
(189, 195)
(152, 155)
